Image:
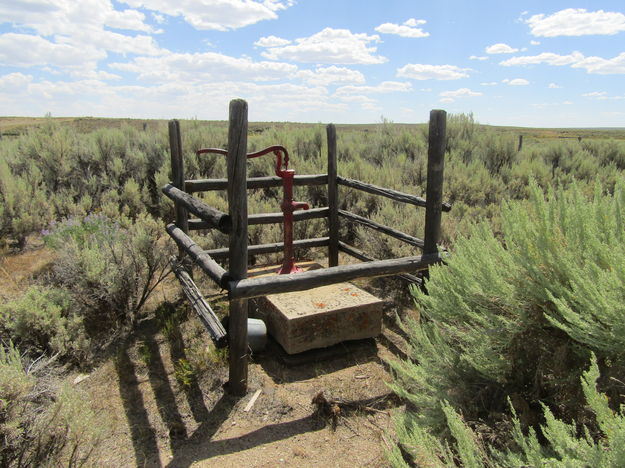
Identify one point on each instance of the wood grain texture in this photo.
(200, 305)
(237, 243)
(202, 259)
(434, 192)
(333, 198)
(213, 218)
(177, 172)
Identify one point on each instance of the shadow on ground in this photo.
(190, 431)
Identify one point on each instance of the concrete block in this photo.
(319, 317)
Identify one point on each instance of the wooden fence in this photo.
(235, 223)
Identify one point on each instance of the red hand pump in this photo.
(288, 206)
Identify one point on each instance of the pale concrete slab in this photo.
(319, 317)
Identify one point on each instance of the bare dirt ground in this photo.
(161, 419)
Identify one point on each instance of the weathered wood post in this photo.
(434, 190)
(520, 143)
(177, 175)
(333, 199)
(237, 209)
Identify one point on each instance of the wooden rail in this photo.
(268, 218)
(388, 193)
(212, 217)
(202, 308)
(360, 255)
(256, 287)
(260, 249)
(408, 239)
(205, 185)
(202, 259)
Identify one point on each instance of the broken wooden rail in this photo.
(200, 305)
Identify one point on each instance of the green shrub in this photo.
(41, 321)
(559, 444)
(42, 424)
(517, 316)
(109, 268)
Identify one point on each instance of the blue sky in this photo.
(524, 63)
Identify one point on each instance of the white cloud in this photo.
(576, 22)
(462, 92)
(336, 46)
(359, 98)
(490, 83)
(14, 82)
(407, 29)
(330, 75)
(170, 100)
(481, 58)
(71, 34)
(554, 86)
(271, 41)
(220, 15)
(25, 50)
(447, 99)
(593, 65)
(535, 43)
(500, 48)
(50, 17)
(384, 87)
(546, 57)
(516, 82)
(204, 67)
(160, 19)
(601, 66)
(418, 71)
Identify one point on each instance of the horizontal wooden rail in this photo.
(269, 218)
(202, 308)
(248, 288)
(388, 193)
(204, 185)
(360, 255)
(271, 248)
(214, 218)
(202, 259)
(382, 228)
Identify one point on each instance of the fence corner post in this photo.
(434, 190)
(333, 195)
(178, 178)
(237, 209)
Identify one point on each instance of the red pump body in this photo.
(288, 206)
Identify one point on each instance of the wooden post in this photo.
(520, 143)
(237, 209)
(434, 189)
(177, 175)
(333, 199)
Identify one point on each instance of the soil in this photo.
(160, 417)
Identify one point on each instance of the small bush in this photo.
(109, 268)
(44, 428)
(518, 315)
(559, 444)
(42, 322)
